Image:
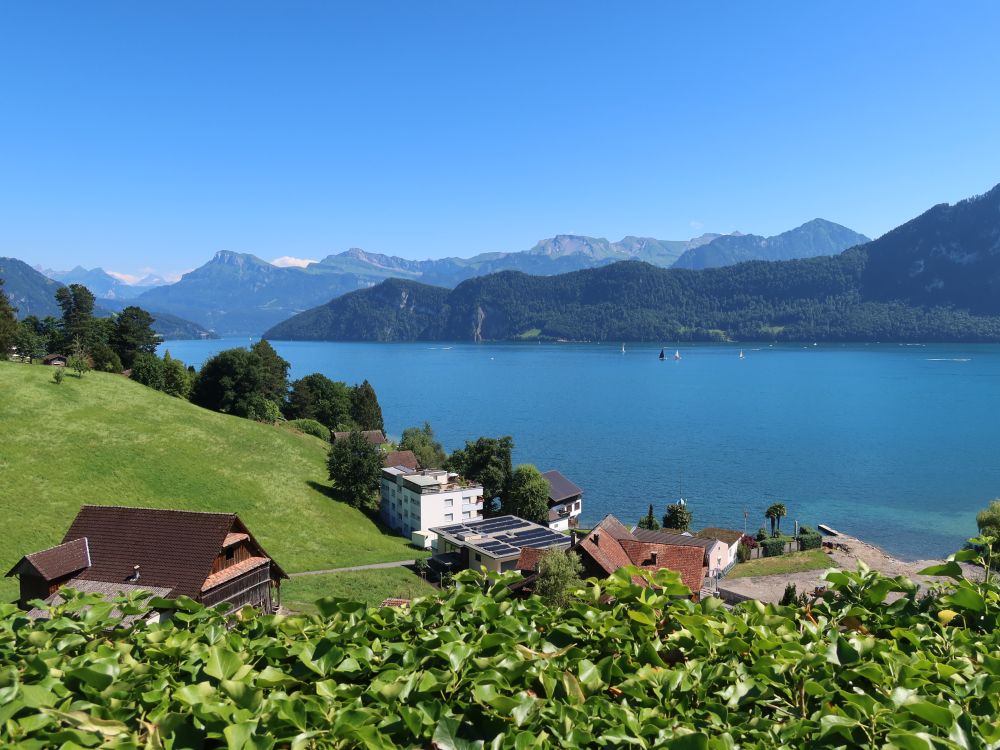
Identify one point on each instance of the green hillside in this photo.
(104, 439)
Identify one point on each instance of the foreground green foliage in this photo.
(622, 666)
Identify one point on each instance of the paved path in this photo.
(373, 566)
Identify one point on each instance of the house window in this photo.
(449, 503)
(449, 516)
(230, 553)
(466, 514)
(478, 558)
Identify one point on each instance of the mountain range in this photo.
(239, 293)
(102, 284)
(937, 277)
(33, 293)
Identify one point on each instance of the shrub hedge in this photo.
(773, 547)
(810, 541)
(310, 427)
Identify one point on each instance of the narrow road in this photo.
(373, 566)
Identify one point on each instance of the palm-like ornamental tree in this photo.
(774, 514)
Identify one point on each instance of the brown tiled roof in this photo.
(374, 436)
(560, 488)
(729, 536)
(57, 561)
(688, 561)
(107, 591)
(659, 536)
(232, 539)
(527, 562)
(52, 357)
(401, 458)
(174, 548)
(616, 547)
(238, 569)
(602, 546)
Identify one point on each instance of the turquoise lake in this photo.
(896, 444)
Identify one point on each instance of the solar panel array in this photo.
(508, 534)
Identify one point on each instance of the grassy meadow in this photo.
(793, 562)
(104, 439)
(368, 586)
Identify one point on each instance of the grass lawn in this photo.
(104, 439)
(794, 562)
(368, 586)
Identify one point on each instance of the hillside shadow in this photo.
(337, 496)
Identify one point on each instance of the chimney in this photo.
(653, 556)
(596, 537)
(572, 538)
(135, 574)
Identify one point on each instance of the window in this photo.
(449, 516)
(478, 558)
(466, 514)
(449, 503)
(230, 553)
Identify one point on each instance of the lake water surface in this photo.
(896, 444)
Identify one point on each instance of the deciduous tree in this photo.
(487, 461)
(147, 369)
(227, 380)
(558, 575)
(176, 380)
(355, 465)
(425, 447)
(317, 397)
(527, 495)
(275, 371)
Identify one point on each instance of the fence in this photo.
(758, 551)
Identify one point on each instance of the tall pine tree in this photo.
(77, 305)
(365, 411)
(8, 324)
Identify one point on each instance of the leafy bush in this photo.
(749, 541)
(621, 666)
(147, 369)
(773, 547)
(58, 375)
(762, 534)
(310, 427)
(806, 530)
(742, 553)
(810, 541)
(791, 595)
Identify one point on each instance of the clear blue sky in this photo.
(138, 135)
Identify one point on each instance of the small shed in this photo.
(56, 360)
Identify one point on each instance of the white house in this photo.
(412, 502)
(565, 501)
(729, 537)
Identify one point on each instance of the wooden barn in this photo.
(210, 557)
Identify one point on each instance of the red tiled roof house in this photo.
(210, 557)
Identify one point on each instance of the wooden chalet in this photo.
(56, 360)
(210, 557)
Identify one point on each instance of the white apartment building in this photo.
(412, 502)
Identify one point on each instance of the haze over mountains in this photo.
(240, 294)
(936, 277)
(33, 293)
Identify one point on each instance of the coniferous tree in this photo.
(77, 305)
(365, 409)
(649, 521)
(677, 517)
(8, 324)
(131, 333)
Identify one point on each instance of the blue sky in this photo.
(150, 135)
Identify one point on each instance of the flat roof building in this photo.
(411, 501)
(495, 543)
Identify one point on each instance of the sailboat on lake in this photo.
(663, 355)
(742, 355)
(677, 355)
